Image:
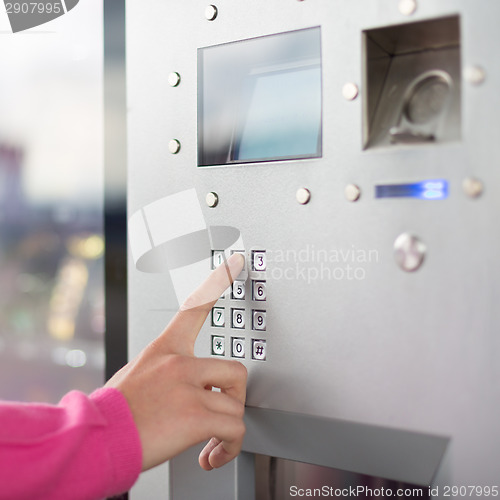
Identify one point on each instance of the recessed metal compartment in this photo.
(412, 82)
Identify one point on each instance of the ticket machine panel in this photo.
(348, 151)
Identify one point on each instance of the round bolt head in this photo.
(473, 188)
(352, 192)
(211, 12)
(303, 196)
(212, 199)
(407, 7)
(174, 146)
(174, 79)
(474, 75)
(409, 252)
(350, 91)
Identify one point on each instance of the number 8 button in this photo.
(238, 318)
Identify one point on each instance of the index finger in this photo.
(181, 332)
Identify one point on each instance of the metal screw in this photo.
(409, 252)
(174, 146)
(174, 79)
(350, 91)
(212, 199)
(474, 75)
(473, 188)
(211, 12)
(352, 192)
(303, 196)
(407, 7)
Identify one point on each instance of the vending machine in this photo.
(349, 149)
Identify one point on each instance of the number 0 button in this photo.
(238, 318)
(259, 320)
(259, 260)
(238, 350)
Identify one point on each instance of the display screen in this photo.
(260, 99)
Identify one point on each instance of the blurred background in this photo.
(61, 122)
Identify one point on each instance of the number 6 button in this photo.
(238, 318)
(259, 290)
(259, 320)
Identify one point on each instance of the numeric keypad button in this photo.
(218, 317)
(238, 317)
(239, 290)
(238, 347)
(259, 320)
(218, 345)
(259, 262)
(259, 291)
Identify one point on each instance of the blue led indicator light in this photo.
(436, 189)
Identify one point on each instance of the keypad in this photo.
(239, 321)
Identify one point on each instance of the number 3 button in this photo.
(259, 260)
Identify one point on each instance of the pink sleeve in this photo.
(87, 447)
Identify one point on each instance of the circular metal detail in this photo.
(350, 91)
(174, 79)
(212, 199)
(352, 192)
(303, 196)
(211, 12)
(174, 146)
(407, 7)
(427, 98)
(409, 252)
(474, 75)
(473, 188)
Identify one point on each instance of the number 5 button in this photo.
(239, 290)
(259, 320)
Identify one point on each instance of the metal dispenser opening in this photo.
(412, 77)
